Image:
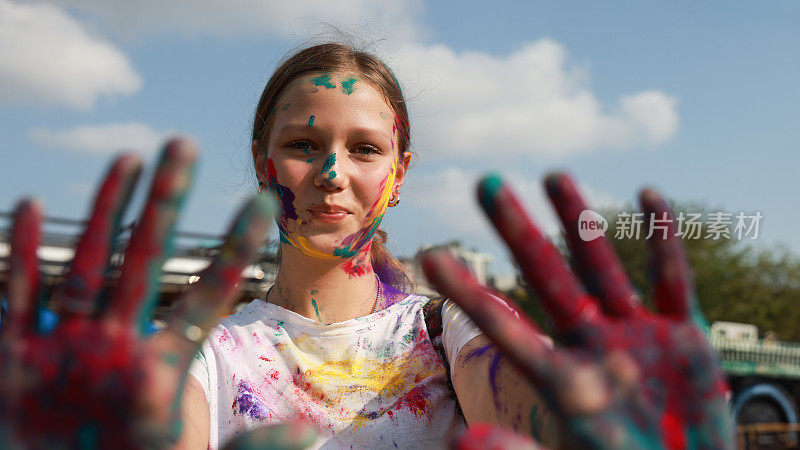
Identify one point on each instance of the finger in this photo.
(518, 338)
(137, 288)
(202, 304)
(597, 264)
(291, 436)
(563, 299)
(672, 280)
(23, 270)
(78, 294)
(484, 435)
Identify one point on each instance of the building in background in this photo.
(478, 264)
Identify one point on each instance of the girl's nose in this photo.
(329, 176)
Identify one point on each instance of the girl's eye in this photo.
(366, 150)
(300, 145)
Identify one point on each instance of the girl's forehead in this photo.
(327, 87)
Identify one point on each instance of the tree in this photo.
(734, 280)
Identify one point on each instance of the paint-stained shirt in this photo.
(373, 381)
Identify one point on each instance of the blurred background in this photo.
(699, 100)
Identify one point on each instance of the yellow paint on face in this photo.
(383, 201)
(302, 244)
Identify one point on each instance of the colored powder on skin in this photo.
(309, 160)
(284, 194)
(331, 174)
(172, 359)
(285, 107)
(389, 293)
(311, 121)
(88, 436)
(493, 378)
(323, 80)
(536, 423)
(348, 85)
(488, 190)
(316, 309)
(355, 269)
(329, 162)
(478, 352)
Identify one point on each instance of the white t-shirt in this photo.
(373, 381)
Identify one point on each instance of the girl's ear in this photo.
(400, 176)
(260, 162)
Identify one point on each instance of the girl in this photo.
(338, 341)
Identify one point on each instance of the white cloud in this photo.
(46, 57)
(102, 139)
(242, 17)
(529, 102)
(447, 199)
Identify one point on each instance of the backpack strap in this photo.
(433, 316)
(433, 322)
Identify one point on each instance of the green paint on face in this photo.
(323, 80)
(488, 188)
(314, 292)
(284, 107)
(348, 85)
(349, 251)
(310, 160)
(316, 309)
(329, 162)
(331, 174)
(311, 121)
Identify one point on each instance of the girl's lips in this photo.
(328, 217)
(330, 214)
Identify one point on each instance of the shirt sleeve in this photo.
(200, 370)
(457, 330)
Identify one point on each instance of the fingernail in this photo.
(488, 188)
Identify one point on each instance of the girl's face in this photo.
(333, 162)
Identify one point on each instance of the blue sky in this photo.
(698, 99)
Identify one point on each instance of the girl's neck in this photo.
(325, 290)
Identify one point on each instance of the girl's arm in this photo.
(195, 415)
(491, 389)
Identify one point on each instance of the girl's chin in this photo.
(323, 245)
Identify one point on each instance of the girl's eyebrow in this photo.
(371, 132)
(299, 126)
(360, 131)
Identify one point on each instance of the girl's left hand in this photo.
(622, 376)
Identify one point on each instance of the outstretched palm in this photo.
(621, 376)
(95, 381)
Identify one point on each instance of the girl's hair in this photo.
(333, 57)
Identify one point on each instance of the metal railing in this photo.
(761, 357)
